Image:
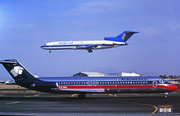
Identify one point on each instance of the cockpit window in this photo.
(162, 81)
(166, 82)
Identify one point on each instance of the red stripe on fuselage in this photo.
(164, 86)
(168, 86)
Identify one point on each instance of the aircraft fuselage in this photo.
(75, 45)
(145, 84)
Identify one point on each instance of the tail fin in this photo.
(123, 37)
(21, 76)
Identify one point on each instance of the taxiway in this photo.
(106, 104)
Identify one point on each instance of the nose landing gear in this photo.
(166, 94)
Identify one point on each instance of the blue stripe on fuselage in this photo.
(86, 45)
(143, 78)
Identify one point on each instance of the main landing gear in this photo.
(82, 95)
(166, 94)
(90, 50)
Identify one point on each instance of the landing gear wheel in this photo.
(90, 50)
(82, 96)
(166, 94)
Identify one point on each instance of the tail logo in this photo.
(17, 70)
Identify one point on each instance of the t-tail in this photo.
(24, 78)
(123, 37)
(19, 73)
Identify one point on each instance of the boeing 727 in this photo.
(108, 42)
(86, 85)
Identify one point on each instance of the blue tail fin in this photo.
(123, 37)
(19, 73)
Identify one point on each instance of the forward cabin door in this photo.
(154, 84)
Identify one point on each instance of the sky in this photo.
(25, 25)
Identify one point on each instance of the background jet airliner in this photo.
(108, 42)
(84, 85)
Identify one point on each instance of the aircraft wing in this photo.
(87, 47)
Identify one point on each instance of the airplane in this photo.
(108, 42)
(86, 85)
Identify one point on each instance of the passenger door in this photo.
(154, 84)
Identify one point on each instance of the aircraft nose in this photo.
(43, 46)
(173, 87)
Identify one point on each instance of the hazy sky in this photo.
(25, 25)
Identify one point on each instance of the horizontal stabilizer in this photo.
(8, 62)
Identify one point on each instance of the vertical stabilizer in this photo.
(123, 37)
(19, 73)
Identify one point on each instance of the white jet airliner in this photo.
(108, 42)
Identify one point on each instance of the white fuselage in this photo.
(102, 44)
(108, 42)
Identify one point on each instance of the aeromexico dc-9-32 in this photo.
(86, 85)
(108, 42)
